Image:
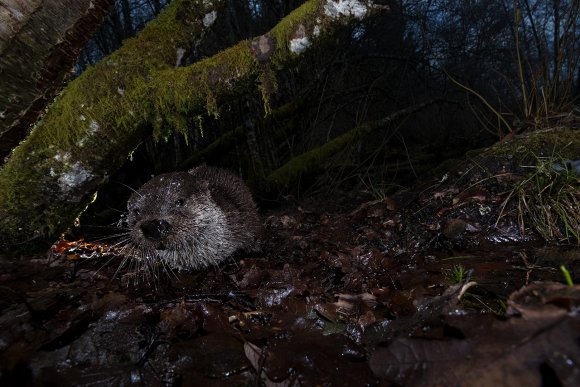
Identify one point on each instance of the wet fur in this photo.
(210, 210)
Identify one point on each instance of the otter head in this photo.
(161, 211)
(173, 217)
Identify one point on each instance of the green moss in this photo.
(311, 161)
(548, 198)
(187, 89)
(456, 274)
(283, 32)
(566, 142)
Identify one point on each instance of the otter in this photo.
(190, 220)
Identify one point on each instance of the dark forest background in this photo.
(492, 67)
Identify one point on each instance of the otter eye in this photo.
(179, 203)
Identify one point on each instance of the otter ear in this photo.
(193, 170)
(204, 187)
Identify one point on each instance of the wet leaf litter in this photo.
(437, 285)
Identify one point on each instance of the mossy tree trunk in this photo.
(39, 42)
(100, 118)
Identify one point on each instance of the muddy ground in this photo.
(441, 284)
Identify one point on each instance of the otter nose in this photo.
(156, 229)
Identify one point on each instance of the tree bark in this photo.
(101, 117)
(39, 42)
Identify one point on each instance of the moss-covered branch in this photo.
(307, 164)
(101, 117)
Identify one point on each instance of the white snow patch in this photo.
(94, 127)
(179, 52)
(62, 157)
(352, 8)
(73, 178)
(209, 18)
(316, 30)
(299, 45)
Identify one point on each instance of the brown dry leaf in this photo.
(537, 354)
(542, 300)
(251, 278)
(257, 358)
(328, 311)
(179, 320)
(477, 194)
(215, 355)
(454, 228)
(539, 349)
(316, 359)
(408, 359)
